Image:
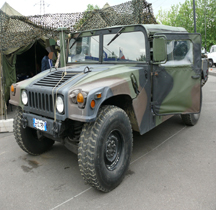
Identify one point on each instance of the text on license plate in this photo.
(40, 124)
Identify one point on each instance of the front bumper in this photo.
(54, 129)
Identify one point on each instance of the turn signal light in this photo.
(92, 104)
(12, 88)
(99, 95)
(80, 98)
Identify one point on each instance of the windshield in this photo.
(213, 49)
(85, 49)
(126, 48)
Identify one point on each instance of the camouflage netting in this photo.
(18, 31)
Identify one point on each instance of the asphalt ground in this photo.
(212, 71)
(173, 167)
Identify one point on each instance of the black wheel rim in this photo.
(113, 149)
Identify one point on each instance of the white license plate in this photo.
(40, 124)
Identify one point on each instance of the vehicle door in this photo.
(176, 87)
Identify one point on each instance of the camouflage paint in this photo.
(178, 90)
(113, 79)
(160, 119)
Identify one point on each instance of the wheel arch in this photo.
(124, 102)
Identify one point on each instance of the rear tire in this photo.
(27, 137)
(105, 149)
(190, 119)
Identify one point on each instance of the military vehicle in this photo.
(115, 81)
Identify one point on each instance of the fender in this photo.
(107, 88)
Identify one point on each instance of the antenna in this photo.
(40, 6)
(43, 4)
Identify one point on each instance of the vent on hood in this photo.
(54, 79)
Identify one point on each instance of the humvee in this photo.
(113, 81)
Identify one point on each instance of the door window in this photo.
(179, 52)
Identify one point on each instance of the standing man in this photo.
(46, 62)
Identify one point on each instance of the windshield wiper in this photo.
(76, 40)
(118, 34)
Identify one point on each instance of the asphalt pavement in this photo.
(212, 71)
(173, 167)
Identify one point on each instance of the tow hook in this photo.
(24, 122)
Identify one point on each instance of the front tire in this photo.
(27, 137)
(105, 149)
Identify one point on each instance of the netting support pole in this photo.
(3, 109)
(1, 89)
(62, 46)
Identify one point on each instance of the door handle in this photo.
(195, 76)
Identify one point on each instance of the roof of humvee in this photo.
(159, 28)
(150, 28)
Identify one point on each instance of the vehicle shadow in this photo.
(152, 139)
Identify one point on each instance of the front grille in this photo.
(40, 101)
(54, 79)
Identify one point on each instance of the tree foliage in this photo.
(181, 15)
(87, 14)
(91, 7)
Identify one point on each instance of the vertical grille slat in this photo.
(39, 101)
(42, 101)
(51, 103)
(47, 103)
(36, 101)
(30, 99)
(33, 100)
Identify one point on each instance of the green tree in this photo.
(181, 15)
(141, 58)
(91, 7)
(86, 15)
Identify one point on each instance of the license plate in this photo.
(40, 124)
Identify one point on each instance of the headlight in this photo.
(24, 97)
(60, 104)
(73, 96)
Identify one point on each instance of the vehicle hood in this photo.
(107, 75)
(85, 77)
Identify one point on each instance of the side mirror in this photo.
(159, 50)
